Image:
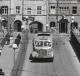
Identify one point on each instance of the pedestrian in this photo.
(17, 41)
(7, 38)
(19, 36)
(74, 24)
(3, 42)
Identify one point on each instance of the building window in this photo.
(17, 9)
(29, 11)
(4, 9)
(52, 7)
(74, 9)
(67, 7)
(63, 8)
(39, 8)
(52, 10)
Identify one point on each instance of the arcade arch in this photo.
(36, 26)
(4, 23)
(17, 25)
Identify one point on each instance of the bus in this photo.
(42, 47)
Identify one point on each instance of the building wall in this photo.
(24, 4)
(33, 5)
(46, 16)
(65, 7)
(15, 3)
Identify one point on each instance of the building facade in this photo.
(14, 10)
(68, 8)
(43, 11)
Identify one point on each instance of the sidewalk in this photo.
(73, 55)
(7, 57)
(14, 37)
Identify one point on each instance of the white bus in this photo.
(42, 47)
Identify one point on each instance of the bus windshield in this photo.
(47, 44)
(39, 43)
(43, 44)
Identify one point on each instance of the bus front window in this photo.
(47, 44)
(39, 44)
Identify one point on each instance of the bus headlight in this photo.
(51, 53)
(35, 54)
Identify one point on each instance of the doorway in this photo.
(63, 27)
(17, 25)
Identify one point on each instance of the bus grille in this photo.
(42, 53)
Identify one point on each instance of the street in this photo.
(63, 64)
(20, 20)
(7, 56)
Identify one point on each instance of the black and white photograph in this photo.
(39, 37)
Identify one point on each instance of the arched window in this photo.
(52, 24)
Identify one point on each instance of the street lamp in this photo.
(47, 27)
(1, 27)
(25, 22)
(14, 48)
(23, 28)
(1, 19)
(57, 14)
